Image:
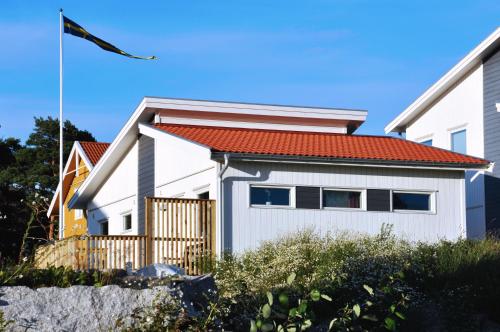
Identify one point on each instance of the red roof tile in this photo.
(314, 144)
(94, 150)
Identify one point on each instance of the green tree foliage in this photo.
(29, 175)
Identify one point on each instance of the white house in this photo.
(273, 170)
(461, 112)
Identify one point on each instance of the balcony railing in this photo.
(178, 232)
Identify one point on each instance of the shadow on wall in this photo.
(258, 176)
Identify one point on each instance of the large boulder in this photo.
(76, 308)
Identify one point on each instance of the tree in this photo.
(13, 211)
(31, 173)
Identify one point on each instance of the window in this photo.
(341, 199)
(204, 195)
(459, 141)
(127, 222)
(427, 142)
(270, 196)
(78, 214)
(104, 227)
(411, 201)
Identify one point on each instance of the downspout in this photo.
(220, 206)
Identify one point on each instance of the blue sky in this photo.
(362, 54)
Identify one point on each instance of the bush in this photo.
(460, 280)
(25, 274)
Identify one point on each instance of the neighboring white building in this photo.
(461, 112)
(273, 170)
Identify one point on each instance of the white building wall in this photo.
(183, 169)
(117, 196)
(245, 226)
(461, 107)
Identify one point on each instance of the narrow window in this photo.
(270, 196)
(78, 214)
(307, 197)
(427, 142)
(341, 199)
(104, 227)
(411, 201)
(127, 222)
(459, 141)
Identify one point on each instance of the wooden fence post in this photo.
(148, 230)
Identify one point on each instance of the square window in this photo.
(411, 201)
(459, 141)
(127, 222)
(270, 196)
(78, 214)
(341, 199)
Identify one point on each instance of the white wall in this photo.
(460, 107)
(183, 169)
(245, 226)
(116, 196)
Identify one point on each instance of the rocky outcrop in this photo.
(76, 308)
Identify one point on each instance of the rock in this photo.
(76, 308)
(197, 292)
(160, 270)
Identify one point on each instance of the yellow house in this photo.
(82, 159)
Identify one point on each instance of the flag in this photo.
(74, 29)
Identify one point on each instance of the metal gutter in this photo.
(351, 162)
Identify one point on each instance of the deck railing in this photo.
(99, 252)
(179, 232)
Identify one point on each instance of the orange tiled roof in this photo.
(314, 144)
(94, 150)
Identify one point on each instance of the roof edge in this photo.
(219, 155)
(447, 80)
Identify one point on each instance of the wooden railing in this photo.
(178, 232)
(99, 252)
(181, 232)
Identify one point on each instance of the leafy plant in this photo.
(3, 322)
(287, 313)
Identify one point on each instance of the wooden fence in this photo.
(178, 232)
(99, 252)
(182, 232)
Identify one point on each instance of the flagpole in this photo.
(61, 207)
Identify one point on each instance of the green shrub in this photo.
(25, 274)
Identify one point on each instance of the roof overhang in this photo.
(120, 145)
(150, 106)
(483, 51)
(219, 156)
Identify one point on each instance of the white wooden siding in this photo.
(460, 107)
(247, 226)
(116, 196)
(182, 167)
